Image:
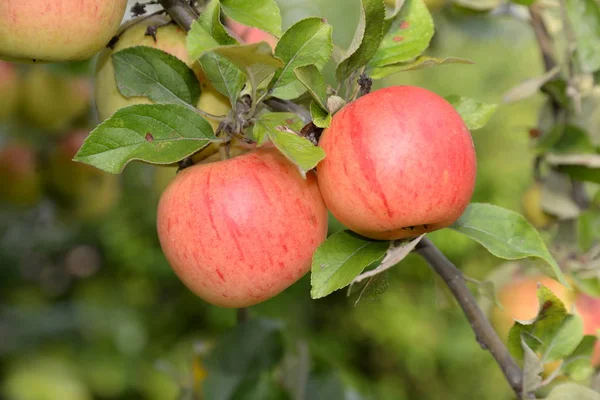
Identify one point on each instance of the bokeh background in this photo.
(89, 308)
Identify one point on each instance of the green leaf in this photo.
(585, 21)
(340, 259)
(250, 348)
(320, 117)
(507, 235)
(255, 60)
(313, 80)
(530, 86)
(223, 75)
(210, 20)
(565, 341)
(148, 72)
(307, 42)
(366, 41)
(581, 173)
(474, 113)
(572, 391)
(588, 229)
(419, 63)
(478, 5)
(374, 287)
(282, 128)
(540, 331)
(524, 2)
(408, 37)
(578, 365)
(155, 133)
(261, 14)
(573, 139)
(199, 40)
(532, 370)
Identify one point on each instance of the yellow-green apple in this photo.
(52, 101)
(169, 38)
(86, 192)
(249, 35)
(20, 182)
(531, 204)
(589, 309)
(399, 162)
(10, 84)
(57, 30)
(240, 231)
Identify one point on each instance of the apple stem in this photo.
(181, 12)
(484, 332)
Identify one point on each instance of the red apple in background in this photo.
(399, 162)
(57, 30)
(20, 182)
(240, 231)
(589, 309)
(10, 84)
(249, 35)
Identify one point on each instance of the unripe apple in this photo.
(52, 101)
(520, 302)
(86, 192)
(399, 162)
(170, 38)
(249, 35)
(20, 182)
(57, 30)
(589, 309)
(531, 203)
(10, 84)
(240, 231)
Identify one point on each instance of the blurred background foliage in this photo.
(89, 308)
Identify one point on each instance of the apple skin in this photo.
(520, 302)
(20, 181)
(57, 30)
(85, 192)
(399, 162)
(52, 101)
(240, 231)
(169, 38)
(532, 207)
(589, 309)
(10, 84)
(249, 35)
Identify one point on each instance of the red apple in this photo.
(57, 30)
(20, 182)
(399, 162)
(589, 309)
(240, 231)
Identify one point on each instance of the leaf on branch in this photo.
(407, 37)
(374, 287)
(255, 60)
(532, 370)
(585, 21)
(282, 129)
(506, 234)
(313, 80)
(474, 113)
(529, 87)
(261, 14)
(200, 40)
(148, 72)
(366, 41)
(398, 250)
(307, 42)
(578, 365)
(478, 5)
(556, 196)
(340, 258)
(154, 133)
(421, 62)
(320, 117)
(572, 391)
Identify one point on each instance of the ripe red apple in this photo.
(249, 35)
(589, 309)
(520, 301)
(57, 30)
(20, 182)
(240, 231)
(170, 38)
(85, 192)
(399, 162)
(10, 84)
(51, 100)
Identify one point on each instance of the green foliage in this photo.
(163, 78)
(585, 21)
(261, 14)
(155, 133)
(475, 114)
